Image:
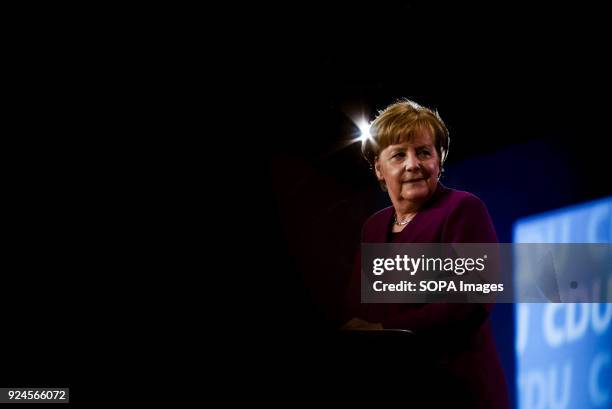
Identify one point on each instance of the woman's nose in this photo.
(412, 162)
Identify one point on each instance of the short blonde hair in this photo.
(398, 122)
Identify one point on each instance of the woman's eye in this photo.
(399, 155)
(424, 153)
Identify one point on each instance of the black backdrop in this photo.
(523, 95)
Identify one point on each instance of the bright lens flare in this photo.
(364, 129)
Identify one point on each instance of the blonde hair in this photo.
(398, 123)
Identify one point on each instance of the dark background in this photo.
(522, 90)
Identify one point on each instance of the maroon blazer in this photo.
(460, 334)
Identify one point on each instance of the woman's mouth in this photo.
(413, 180)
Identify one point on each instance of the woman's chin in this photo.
(416, 193)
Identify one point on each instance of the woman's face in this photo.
(410, 169)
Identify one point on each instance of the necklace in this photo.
(405, 222)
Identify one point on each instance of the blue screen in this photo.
(563, 350)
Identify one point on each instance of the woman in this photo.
(407, 149)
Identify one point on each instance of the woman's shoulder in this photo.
(376, 224)
(467, 220)
(458, 212)
(454, 198)
(380, 215)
